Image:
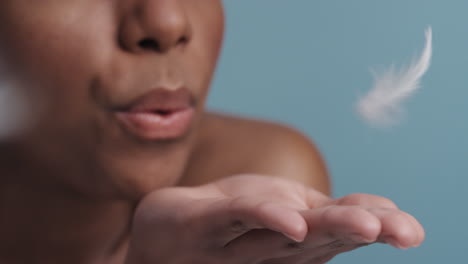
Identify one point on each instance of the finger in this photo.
(315, 199)
(417, 227)
(346, 223)
(226, 219)
(332, 230)
(373, 201)
(365, 200)
(420, 230)
(399, 228)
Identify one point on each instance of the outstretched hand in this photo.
(258, 219)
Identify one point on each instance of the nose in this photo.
(154, 26)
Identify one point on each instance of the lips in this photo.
(158, 115)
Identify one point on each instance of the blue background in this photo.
(305, 63)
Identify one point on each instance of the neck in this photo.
(42, 223)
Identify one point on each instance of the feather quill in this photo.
(382, 105)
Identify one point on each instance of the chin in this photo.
(134, 177)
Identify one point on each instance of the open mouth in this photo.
(157, 124)
(160, 114)
(163, 112)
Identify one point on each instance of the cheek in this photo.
(53, 49)
(207, 43)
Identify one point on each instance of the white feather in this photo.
(382, 106)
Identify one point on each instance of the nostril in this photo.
(149, 44)
(153, 45)
(183, 40)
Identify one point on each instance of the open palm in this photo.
(249, 219)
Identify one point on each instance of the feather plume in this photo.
(382, 105)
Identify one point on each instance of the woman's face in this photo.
(116, 87)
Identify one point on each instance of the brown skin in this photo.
(253, 147)
(104, 225)
(76, 168)
(84, 59)
(72, 180)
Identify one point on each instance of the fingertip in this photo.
(298, 228)
(422, 237)
(287, 221)
(405, 230)
(396, 244)
(421, 234)
(371, 229)
(353, 220)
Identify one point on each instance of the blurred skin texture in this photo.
(81, 59)
(120, 162)
(75, 167)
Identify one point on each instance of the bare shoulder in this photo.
(231, 145)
